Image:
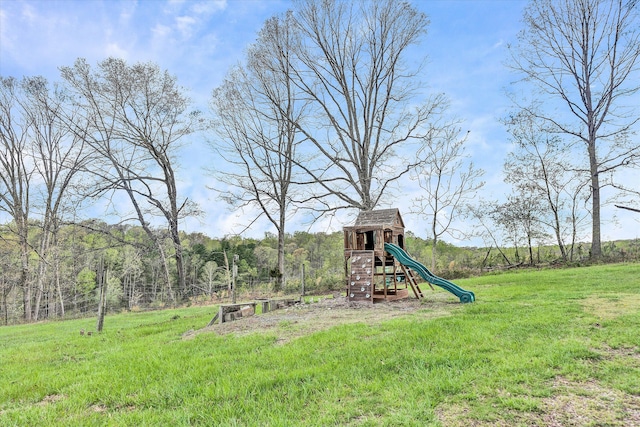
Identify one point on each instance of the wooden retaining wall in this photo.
(231, 312)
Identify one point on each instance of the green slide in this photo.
(406, 260)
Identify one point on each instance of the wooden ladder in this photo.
(411, 278)
(413, 282)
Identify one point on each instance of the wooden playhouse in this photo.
(372, 273)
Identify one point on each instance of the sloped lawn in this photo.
(546, 348)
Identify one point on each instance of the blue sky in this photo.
(199, 40)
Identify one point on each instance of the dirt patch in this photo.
(574, 404)
(610, 307)
(324, 313)
(589, 404)
(461, 415)
(611, 353)
(52, 398)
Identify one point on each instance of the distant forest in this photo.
(125, 258)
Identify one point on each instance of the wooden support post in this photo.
(103, 278)
(221, 313)
(214, 319)
(236, 258)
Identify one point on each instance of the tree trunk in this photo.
(5, 306)
(182, 282)
(59, 288)
(165, 271)
(42, 270)
(433, 254)
(175, 233)
(484, 261)
(103, 278)
(234, 275)
(434, 224)
(596, 245)
(281, 237)
(557, 229)
(24, 274)
(228, 271)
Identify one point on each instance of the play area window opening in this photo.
(369, 240)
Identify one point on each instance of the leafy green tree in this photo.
(86, 281)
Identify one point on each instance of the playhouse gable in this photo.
(383, 218)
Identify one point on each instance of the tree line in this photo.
(134, 271)
(326, 112)
(124, 257)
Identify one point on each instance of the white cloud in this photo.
(5, 40)
(114, 50)
(29, 14)
(209, 7)
(161, 32)
(185, 25)
(128, 11)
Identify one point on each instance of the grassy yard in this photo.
(546, 348)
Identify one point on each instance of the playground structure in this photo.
(377, 266)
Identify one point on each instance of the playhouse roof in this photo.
(381, 218)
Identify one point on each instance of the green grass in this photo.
(533, 344)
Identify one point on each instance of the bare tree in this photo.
(538, 166)
(629, 191)
(511, 223)
(138, 116)
(483, 213)
(518, 219)
(449, 181)
(628, 208)
(16, 171)
(132, 270)
(58, 156)
(367, 117)
(584, 55)
(214, 278)
(6, 286)
(255, 109)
